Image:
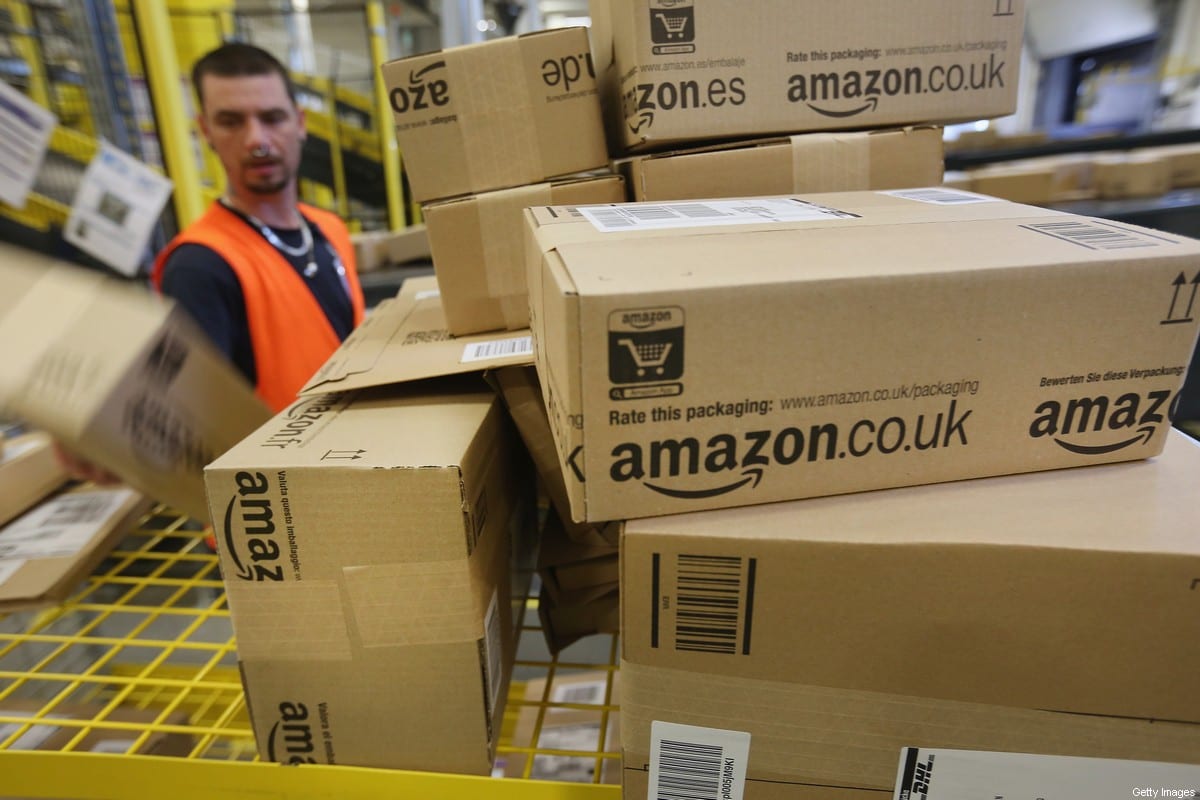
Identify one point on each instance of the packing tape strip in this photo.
(831, 162)
(494, 107)
(289, 621)
(823, 734)
(501, 219)
(414, 603)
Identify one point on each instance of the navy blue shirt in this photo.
(208, 289)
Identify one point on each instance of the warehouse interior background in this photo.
(1097, 75)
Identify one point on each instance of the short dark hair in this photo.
(236, 59)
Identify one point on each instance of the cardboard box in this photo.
(45, 553)
(814, 162)
(523, 396)
(405, 339)
(1022, 183)
(675, 71)
(564, 725)
(858, 341)
(1183, 162)
(507, 112)
(375, 250)
(29, 471)
(971, 141)
(55, 727)
(1120, 176)
(478, 249)
(121, 377)
(939, 614)
(567, 566)
(570, 618)
(400, 622)
(956, 179)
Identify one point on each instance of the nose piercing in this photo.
(259, 152)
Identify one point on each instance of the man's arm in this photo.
(205, 285)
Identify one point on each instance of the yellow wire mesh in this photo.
(141, 661)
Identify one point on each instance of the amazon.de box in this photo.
(121, 377)
(367, 543)
(507, 112)
(812, 162)
(701, 355)
(478, 245)
(675, 71)
(999, 614)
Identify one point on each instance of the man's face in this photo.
(255, 130)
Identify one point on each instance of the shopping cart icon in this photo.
(673, 30)
(645, 345)
(648, 355)
(673, 24)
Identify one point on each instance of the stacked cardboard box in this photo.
(487, 130)
(373, 545)
(868, 340)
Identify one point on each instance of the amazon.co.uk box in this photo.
(707, 354)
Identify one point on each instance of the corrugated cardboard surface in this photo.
(801, 735)
(405, 339)
(43, 581)
(1026, 591)
(374, 250)
(1131, 175)
(523, 396)
(478, 249)
(508, 112)
(816, 162)
(566, 565)
(365, 542)
(29, 471)
(890, 342)
(677, 72)
(568, 619)
(1018, 184)
(1183, 161)
(118, 376)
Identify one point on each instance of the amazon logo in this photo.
(290, 740)
(723, 464)
(426, 90)
(1092, 426)
(640, 101)
(248, 530)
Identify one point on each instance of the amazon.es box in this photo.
(121, 377)
(709, 354)
(998, 614)
(367, 543)
(674, 71)
(814, 162)
(478, 248)
(507, 112)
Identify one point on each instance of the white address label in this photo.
(693, 763)
(934, 774)
(707, 213)
(61, 526)
(941, 197)
(497, 348)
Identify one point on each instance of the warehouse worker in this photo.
(272, 281)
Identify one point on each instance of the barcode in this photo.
(77, 509)
(940, 196)
(650, 212)
(498, 348)
(611, 219)
(698, 210)
(708, 594)
(688, 771)
(1092, 236)
(582, 693)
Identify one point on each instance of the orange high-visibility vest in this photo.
(289, 332)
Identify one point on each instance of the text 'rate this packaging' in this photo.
(721, 353)
(673, 71)
(369, 544)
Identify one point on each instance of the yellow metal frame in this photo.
(149, 631)
(390, 153)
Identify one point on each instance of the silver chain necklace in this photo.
(305, 250)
